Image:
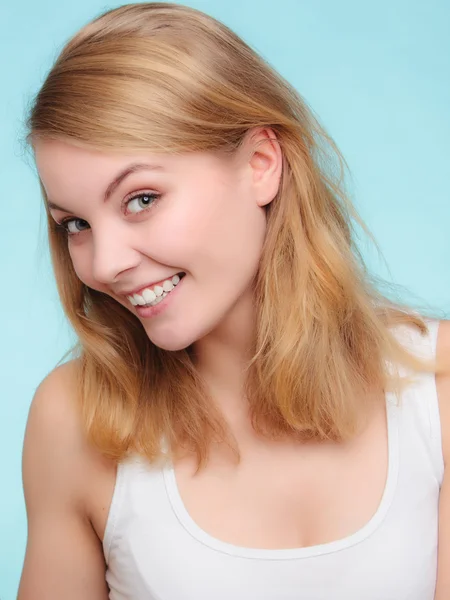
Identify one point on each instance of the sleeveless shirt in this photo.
(155, 551)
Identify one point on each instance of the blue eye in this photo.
(66, 223)
(142, 201)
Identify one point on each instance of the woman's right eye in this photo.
(66, 225)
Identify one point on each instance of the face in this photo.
(196, 216)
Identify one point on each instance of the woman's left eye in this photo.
(140, 202)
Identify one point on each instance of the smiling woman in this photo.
(240, 387)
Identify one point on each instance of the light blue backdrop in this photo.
(377, 74)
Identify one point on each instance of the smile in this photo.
(153, 295)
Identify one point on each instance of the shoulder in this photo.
(55, 451)
(63, 556)
(443, 392)
(443, 385)
(54, 403)
(54, 419)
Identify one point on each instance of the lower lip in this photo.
(146, 312)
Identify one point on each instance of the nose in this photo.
(112, 254)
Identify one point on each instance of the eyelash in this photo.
(155, 197)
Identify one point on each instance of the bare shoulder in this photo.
(443, 391)
(54, 438)
(443, 385)
(64, 555)
(55, 403)
(55, 442)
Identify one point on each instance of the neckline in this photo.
(363, 533)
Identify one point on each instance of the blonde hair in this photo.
(167, 78)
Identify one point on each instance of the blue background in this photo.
(378, 76)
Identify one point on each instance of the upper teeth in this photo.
(150, 294)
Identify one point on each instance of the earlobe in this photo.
(266, 165)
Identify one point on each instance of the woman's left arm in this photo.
(443, 390)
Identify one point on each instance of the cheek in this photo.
(82, 265)
(238, 242)
(222, 234)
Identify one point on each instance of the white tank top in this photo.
(155, 551)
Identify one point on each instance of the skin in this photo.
(210, 224)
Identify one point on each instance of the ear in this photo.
(265, 162)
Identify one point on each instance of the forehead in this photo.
(62, 164)
(56, 158)
(72, 175)
(70, 172)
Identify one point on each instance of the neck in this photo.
(222, 355)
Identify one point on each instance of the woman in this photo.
(245, 415)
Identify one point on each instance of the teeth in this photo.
(158, 300)
(148, 295)
(155, 295)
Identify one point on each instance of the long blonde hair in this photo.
(167, 78)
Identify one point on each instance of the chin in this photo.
(171, 343)
(174, 337)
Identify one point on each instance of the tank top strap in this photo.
(420, 404)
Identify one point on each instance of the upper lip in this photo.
(147, 285)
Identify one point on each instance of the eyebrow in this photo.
(133, 168)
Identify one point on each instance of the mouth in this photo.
(152, 296)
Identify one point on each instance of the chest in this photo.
(287, 495)
(280, 495)
(288, 522)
